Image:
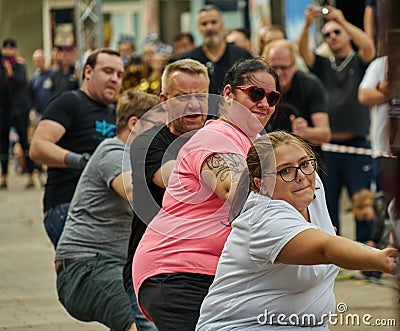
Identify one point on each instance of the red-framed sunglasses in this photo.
(257, 93)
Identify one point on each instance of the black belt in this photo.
(60, 265)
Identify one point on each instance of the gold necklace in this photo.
(343, 65)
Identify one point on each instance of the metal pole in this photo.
(89, 25)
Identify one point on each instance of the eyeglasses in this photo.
(328, 34)
(289, 174)
(257, 93)
(283, 68)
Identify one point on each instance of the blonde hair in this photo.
(260, 158)
(185, 65)
(261, 153)
(133, 103)
(361, 197)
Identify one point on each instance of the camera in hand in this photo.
(324, 11)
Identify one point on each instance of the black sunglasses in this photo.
(328, 34)
(257, 93)
(289, 174)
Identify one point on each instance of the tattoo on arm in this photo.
(226, 167)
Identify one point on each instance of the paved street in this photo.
(28, 298)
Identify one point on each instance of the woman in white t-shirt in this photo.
(281, 258)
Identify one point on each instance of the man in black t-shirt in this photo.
(302, 96)
(72, 126)
(185, 83)
(303, 106)
(215, 53)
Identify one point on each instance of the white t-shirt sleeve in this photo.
(374, 74)
(271, 230)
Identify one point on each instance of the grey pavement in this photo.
(28, 298)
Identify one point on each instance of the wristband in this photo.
(76, 161)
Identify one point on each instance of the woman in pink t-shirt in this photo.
(176, 260)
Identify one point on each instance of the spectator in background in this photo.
(303, 105)
(15, 111)
(66, 77)
(41, 92)
(41, 83)
(276, 32)
(72, 126)
(374, 91)
(349, 120)
(266, 34)
(215, 53)
(152, 83)
(240, 38)
(149, 44)
(126, 48)
(183, 42)
(54, 59)
(133, 75)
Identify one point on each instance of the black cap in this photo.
(10, 43)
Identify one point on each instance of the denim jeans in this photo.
(350, 170)
(142, 324)
(54, 222)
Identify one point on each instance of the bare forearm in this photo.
(161, 176)
(372, 96)
(311, 14)
(48, 153)
(304, 50)
(369, 21)
(358, 36)
(122, 184)
(364, 43)
(318, 135)
(351, 255)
